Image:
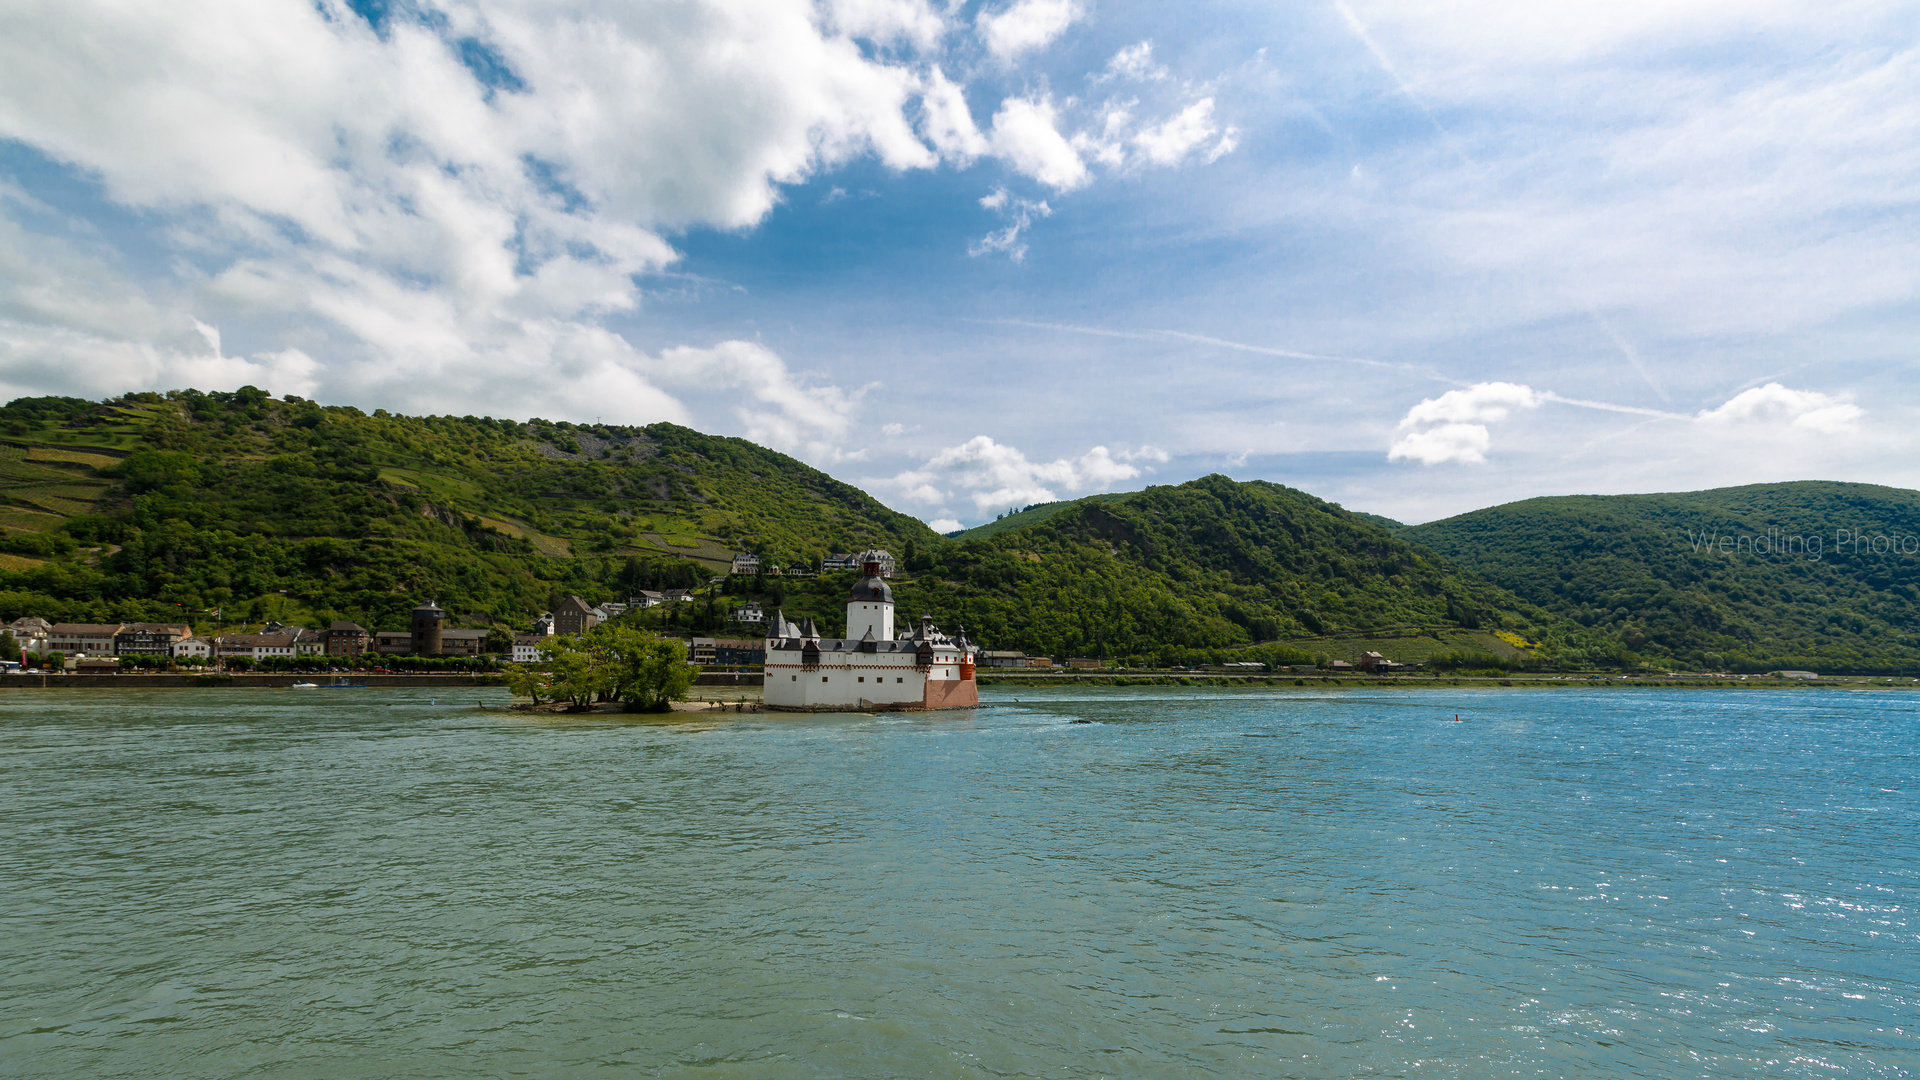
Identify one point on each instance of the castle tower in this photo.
(426, 624)
(870, 603)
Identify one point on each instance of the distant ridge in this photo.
(1033, 515)
(1817, 575)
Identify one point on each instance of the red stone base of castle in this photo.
(955, 694)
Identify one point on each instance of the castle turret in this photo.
(870, 603)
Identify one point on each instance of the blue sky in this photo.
(1414, 258)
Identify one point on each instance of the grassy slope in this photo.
(149, 507)
(1626, 566)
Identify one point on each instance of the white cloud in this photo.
(1025, 25)
(1167, 143)
(1453, 426)
(1480, 402)
(787, 414)
(947, 123)
(368, 220)
(994, 476)
(366, 193)
(887, 21)
(1171, 140)
(1135, 62)
(1464, 443)
(944, 525)
(1026, 137)
(1774, 404)
(1021, 213)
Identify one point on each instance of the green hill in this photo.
(173, 506)
(1032, 515)
(1205, 567)
(150, 506)
(1811, 575)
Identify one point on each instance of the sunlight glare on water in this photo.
(1220, 884)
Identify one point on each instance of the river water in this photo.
(367, 883)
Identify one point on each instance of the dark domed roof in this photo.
(870, 591)
(431, 607)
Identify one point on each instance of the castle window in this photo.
(823, 678)
(863, 678)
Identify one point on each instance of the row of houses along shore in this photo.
(101, 645)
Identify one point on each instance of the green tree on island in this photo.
(639, 669)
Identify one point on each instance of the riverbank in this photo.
(711, 687)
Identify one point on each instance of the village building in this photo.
(1003, 659)
(1085, 662)
(744, 563)
(345, 638)
(858, 561)
(574, 616)
(750, 614)
(739, 652)
(870, 668)
(726, 651)
(192, 648)
(526, 648)
(462, 642)
(30, 632)
(543, 624)
(426, 635)
(254, 646)
(93, 639)
(150, 639)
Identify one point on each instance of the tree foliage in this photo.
(611, 662)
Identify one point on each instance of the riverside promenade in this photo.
(144, 680)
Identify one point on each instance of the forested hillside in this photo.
(174, 506)
(1211, 564)
(154, 506)
(1822, 576)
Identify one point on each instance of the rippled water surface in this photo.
(361, 883)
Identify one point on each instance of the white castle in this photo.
(870, 668)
